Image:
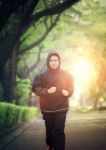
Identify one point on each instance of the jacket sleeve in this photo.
(70, 84)
(37, 86)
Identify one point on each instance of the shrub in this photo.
(22, 91)
(11, 114)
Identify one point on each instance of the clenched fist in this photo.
(65, 92)
(52, 90)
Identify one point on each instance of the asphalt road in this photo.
(83, 132)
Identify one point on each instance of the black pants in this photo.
(55, 124)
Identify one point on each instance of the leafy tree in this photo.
(22, 17)
(28, 14)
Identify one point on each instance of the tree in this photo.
(7, 7)
(28, 15)
(21, 16)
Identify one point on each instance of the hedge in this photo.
(11, 114)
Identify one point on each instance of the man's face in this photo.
(54, 62)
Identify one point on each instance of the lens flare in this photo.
(83, 69)
(84, 73)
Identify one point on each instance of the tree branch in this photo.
(25, 73)
(59, 8)
(22, 51)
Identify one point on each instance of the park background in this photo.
(28, 31)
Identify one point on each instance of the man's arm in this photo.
(37, 86)
(38, 89)
(70, 86)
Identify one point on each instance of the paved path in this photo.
(83, 132)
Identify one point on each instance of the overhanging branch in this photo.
(22, 51)
(59, 8)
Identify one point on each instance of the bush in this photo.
(11, 114)
(22, 92)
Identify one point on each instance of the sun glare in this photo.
(84, 74)
(82, 69)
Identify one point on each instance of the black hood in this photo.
(48, 59)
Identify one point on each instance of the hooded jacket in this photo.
(53, 102)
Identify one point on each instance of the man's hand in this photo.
(52, 90)
(65, 92)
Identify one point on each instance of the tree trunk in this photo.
(13, 71)
(8, 43)
(95, 105)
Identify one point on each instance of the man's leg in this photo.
(49, 123)
(58, 132)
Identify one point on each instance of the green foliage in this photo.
(11, 114)
(39, 7)
(35, 32)
(82, 26)
(23, 88)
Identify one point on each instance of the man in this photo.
(54, 86)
